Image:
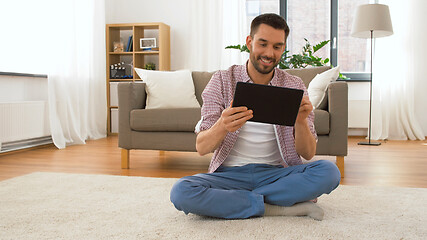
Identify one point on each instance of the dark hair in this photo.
(271, 19)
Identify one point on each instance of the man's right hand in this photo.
(233, 118)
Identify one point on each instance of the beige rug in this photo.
(78, 206)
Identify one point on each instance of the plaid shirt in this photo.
(218, 95)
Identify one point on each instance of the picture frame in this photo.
(147, 43)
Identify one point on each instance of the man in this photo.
(256, 168)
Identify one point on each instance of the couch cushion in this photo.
(168, 89)
(169, 120)
(201, 79)
(317, 89)
(321, 121)
(307, 74)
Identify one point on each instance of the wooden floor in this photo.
(394, 163)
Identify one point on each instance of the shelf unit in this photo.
(137, 57)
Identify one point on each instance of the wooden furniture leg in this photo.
(340, 165)
(161, 153)
(125, 158)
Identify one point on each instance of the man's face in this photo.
(266, 48)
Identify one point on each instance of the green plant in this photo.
(150, 66)
(304, 59)
(242, 48)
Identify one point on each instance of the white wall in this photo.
(421, 66)
(358, 108)
(421, 87)
(19, 88)
(177, 15)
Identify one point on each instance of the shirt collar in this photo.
(244, 73)
(245, 76)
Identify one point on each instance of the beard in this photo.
(260, 68)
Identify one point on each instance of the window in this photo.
(308, 19)
(353, 54)
(319, 20)
(257, 7)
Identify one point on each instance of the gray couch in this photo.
(173, 129)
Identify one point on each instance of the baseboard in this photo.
(358, 132)
(25, 144)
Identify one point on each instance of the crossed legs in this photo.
(243, 192)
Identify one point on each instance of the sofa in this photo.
(173, 129)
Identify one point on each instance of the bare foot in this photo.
(300, 209)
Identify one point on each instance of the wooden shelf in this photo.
(120, 53)
(120, 33)
(147, 52)
(123, 79)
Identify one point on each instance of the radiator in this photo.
(23, 124)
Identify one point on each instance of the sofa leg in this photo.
(161, 153)
(340, 165)
(125, 158)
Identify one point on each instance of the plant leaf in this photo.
(320, 45)
(344, 77)
(242, 48)
(233, 47)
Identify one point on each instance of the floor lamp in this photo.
(371, 21)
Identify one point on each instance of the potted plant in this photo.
(304, 59)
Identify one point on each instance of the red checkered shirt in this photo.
(218, 95)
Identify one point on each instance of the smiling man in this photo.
(256, 168)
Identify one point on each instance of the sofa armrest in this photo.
(338, 112)
(131, 96)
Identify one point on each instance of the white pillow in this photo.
(168, 89)
(318, 86)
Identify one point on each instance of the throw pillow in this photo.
(173, 89)
(317, 89)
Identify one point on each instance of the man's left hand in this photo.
(304, 110)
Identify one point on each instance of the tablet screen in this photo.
(270, 104)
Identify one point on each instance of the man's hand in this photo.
(304, 110)
(232, 118)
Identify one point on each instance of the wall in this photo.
(358, 108)
(420, 66)
(23, 110)
(177, 15)
(20, 88)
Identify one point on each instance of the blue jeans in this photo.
(240, 192)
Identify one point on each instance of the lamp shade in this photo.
(372, 17)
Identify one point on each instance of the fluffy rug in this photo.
(79, 206)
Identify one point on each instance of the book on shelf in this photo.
(129, 45)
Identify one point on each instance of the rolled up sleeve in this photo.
(311, 125)
(213, 103)
(310, 118)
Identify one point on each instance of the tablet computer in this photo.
(270, 104)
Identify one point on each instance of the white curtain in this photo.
(235, 30)
(66, 40)
(206, 35)
(393, 115)
(214, 25)
(77, 91)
